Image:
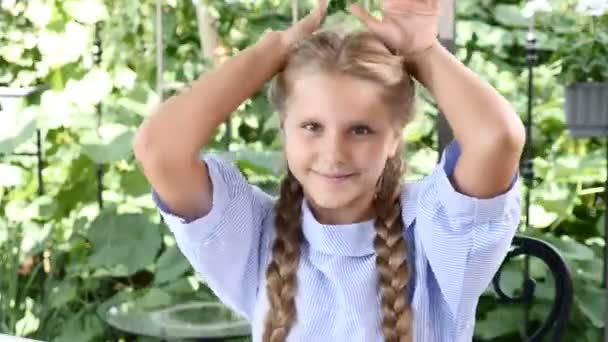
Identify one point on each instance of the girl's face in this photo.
(338, 136)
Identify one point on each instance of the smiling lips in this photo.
(335, 177)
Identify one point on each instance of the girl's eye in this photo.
(362, 130)
(311, 126)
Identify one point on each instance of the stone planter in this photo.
(587, 109)
(203, 321)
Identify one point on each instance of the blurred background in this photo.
(84, 255)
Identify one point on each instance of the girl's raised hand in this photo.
(306, 26)
(408, 27)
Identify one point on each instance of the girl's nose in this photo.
(334, 148)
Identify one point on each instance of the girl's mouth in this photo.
(335, 177)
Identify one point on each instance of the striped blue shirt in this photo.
(456, 244)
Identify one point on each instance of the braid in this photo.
(281, 280)
(391, 255)
(391, 258)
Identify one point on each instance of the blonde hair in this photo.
(362, 55)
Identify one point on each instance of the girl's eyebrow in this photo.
(368, 122)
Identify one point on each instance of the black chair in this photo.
(558, 317)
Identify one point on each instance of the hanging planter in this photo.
(581, 53)
(586, 109)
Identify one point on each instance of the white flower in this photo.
(534, 6)
(595, 8)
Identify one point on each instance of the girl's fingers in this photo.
(321, 11)
(308, 24)
(322, 7)
(315, 18)
(369, 21)
(412, 7)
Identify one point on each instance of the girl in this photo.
(346, 252)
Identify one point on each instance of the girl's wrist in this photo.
(272, 45)
(415, 57)
(416, 61)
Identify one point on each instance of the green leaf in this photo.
(419, 128)
(118, 298)
(421, 162)
(600, 226)
(124, 77)
(557, 198)
(591, 270)
(86, 11)
(154, 298)
(62, 293)
(91, 89)
(591, 301)
(342, 20)
(56, 108)
(130, 241)
(39, 12)
(570, 248)
(540, 309)
(593, 335)
(12, 53)
(171, 265)
(566, 166)
(511, 280)
(510, 15)
(61, 48)
(270, 161)
(29, 323)
(272, 123)
(116, 149)
(135, 183)
(83, 327)
(539, 217)
(545, 290)
(498, 322)
(181, 286)
(15, 129)
(114, 144)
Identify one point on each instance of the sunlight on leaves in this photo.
(86, 11)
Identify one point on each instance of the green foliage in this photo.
(581, 46)
(64, 263)
(112, 237)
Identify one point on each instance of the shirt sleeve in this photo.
(465, 238)
(224, 245)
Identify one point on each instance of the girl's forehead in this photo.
(330, 95)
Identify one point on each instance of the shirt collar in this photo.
(356, 239)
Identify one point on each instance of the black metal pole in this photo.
(605, 280)
(97, 60)
(528, 167)
(40, 161)
(228, 134)
(444, 131)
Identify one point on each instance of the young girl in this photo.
(346, 252)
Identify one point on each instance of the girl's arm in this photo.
(168, 143)
(488, 130)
